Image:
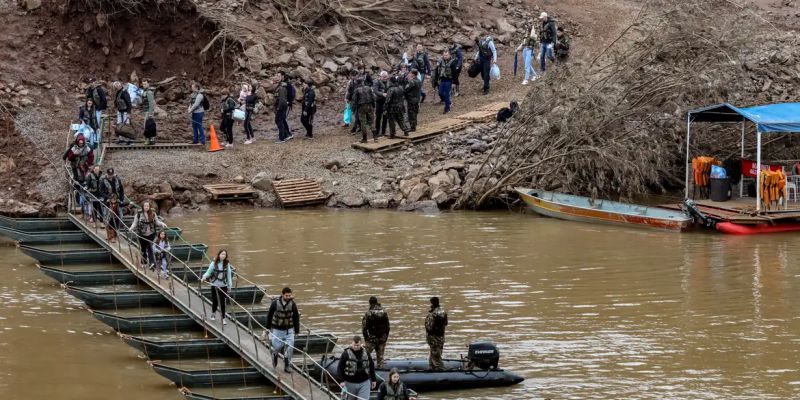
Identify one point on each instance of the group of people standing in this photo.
(548, 41)
(394, 98)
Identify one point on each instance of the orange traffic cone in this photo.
(213, 143)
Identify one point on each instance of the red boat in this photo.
(739, 229)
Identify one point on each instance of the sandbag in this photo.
(238, 115)
(474, 69)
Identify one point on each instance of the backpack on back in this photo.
(204, 103)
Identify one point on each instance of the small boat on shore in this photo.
(584, 209)
(164, 322)
(162, 348)
(109, 297)
(101, 255)
(108, 276)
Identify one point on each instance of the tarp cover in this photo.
(781, 117)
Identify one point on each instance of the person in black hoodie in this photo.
(281, 111)
(309, 108)
(226, 126)
(548, 37)
(250, 102)
(357, 371)
(122, 101)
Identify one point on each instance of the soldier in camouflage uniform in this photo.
(375, 327)
(364, 101)
(435, 324)
(395, 107)
(413, 91)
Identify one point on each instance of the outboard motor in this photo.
(690, 208)
(483, 355)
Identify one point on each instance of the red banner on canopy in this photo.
(749, 168)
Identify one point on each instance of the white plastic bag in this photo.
(135, 93)
(495, 72)
(238, 115)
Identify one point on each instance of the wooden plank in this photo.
(230, 191)
(157, 146)
(383, 144)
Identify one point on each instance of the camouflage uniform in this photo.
(375, 328)
(395, 109)
(364, 101)
(413, 92)
(435, 323)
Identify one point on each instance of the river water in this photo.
(581, 311)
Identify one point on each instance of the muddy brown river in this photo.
(581, 311)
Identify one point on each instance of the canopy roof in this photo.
(781, 117)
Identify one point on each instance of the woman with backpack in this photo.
(197, 109)
(219, 275)
(161, 249)
(393, 389)
(145, 225)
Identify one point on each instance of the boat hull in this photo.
(96, 256)
(740, 229)
(198, 396)
(149, 298)
(194, 348)
(110, 277)
(65, 236)
(417, 377)
(164, 323)
(37, 224)
(640, 218)
(210, 377)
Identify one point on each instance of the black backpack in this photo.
(291, 93)
(204, 103)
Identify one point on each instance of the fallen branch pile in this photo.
(615, 127)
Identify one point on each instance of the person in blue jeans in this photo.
(283, 323)
(443, 77)
(528, 48)
(197, 109)
(547, 40)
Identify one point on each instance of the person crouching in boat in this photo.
(393, 389)
(219, 276)
(161, 250)
(357, 370)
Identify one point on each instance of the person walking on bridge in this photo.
(283, 323)
(95, 189)
(145, 225)
(357, 371)
(219, 274)
(98, 96)
(435, 324)
(375, 328)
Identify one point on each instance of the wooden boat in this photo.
(417, 376)
(37, 224)
(165, 322)
(171, 348)
(112, 276)
(101, 255)
(190, 395)
(210, 377)
(584, 209)
(127, 298)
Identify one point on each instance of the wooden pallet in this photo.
(298, 192)
(230, 191)
(157, 146)
(383, 144)
(494, 106)
(478, 116)
(437, 128)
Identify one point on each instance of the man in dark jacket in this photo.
(94, 187)
(395, 107)
(486, 56)
(357, 371)
(458, 55)
(122, 101)
(379, 89)
(364, 101)
(413, 95)
(547, 39)
(375, 328)
(111, 184)
(283, 323)
(443, 78)
(421, 63)
(291, 96)
(281, 111)
(309, 108)
(97, 94)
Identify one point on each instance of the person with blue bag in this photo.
(487, 58)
